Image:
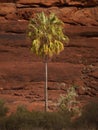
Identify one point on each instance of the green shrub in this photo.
(23, 119)
(52, 120)
(3, 109)
(89, 117)
(90, 112)
(3, 112)
(18, 119)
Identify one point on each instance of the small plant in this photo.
(69, 102)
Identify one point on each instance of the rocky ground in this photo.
(22, 74)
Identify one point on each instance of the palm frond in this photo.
(46, 33)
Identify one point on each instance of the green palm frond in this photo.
(46, 33)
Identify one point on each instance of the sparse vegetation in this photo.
(89, 118)
(3, 109)
(69, 102)
(23, 119)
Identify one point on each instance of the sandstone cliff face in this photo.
(22, 73)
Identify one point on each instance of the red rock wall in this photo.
(22, 73)
(7, 1)
(70, 12)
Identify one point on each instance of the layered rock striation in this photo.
(22, 73)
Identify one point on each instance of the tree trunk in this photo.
(46, 86)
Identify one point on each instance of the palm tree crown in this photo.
(46, 33)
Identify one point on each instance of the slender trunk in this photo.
(46, 86)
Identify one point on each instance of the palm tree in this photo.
(46, 34)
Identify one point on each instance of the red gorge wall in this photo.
(22, 73)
